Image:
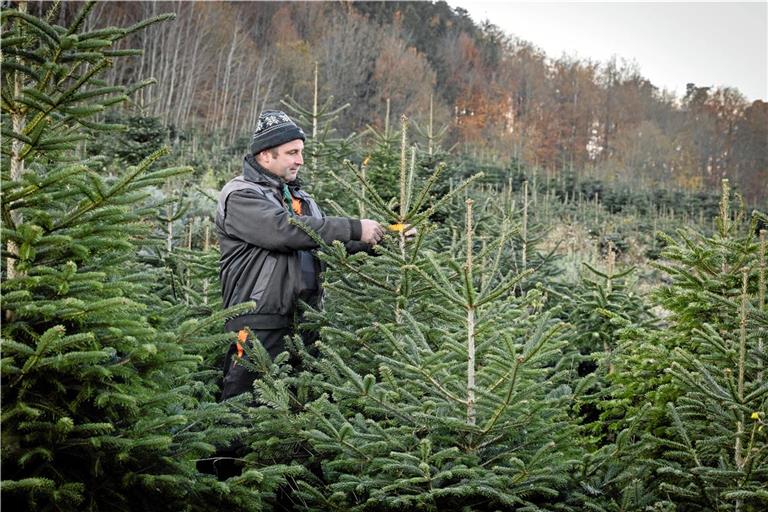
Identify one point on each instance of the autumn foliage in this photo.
(502, 98)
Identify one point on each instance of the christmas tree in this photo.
(714, 456)
(694, 392)
(102, 409)
(441, 388)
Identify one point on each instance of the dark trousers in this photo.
(237, 378)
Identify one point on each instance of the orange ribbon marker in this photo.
(242, 337)
(396, 227)
(296, 205)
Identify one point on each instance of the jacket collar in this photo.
(254, 172)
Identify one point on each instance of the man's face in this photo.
(284, 160)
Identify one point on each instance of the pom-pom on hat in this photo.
(274, 128)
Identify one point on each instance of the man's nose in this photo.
(299, 159)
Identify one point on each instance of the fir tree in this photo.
(602, 309)
(612, 383)
(715, 453)
(441, 389)
(693, 392)
(391, 271)
(101, 407)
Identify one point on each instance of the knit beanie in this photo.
(274, 128)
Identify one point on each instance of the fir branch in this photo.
(358, 272)
(147, 22)
(49, 35)
(376, 201)
(417, 219)
(444, 391)
(503, 288)
(117, 188)
(427, 187)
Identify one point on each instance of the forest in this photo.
(580, 323)
(502, 99)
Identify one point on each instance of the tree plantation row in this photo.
(550, 340)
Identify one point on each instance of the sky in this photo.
(672, 43)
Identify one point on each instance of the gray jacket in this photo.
(264, 257)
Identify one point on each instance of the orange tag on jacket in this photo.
(296, 204)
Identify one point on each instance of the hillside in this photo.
(502, 99)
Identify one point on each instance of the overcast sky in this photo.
(673, 43)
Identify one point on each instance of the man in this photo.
(265, 258)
